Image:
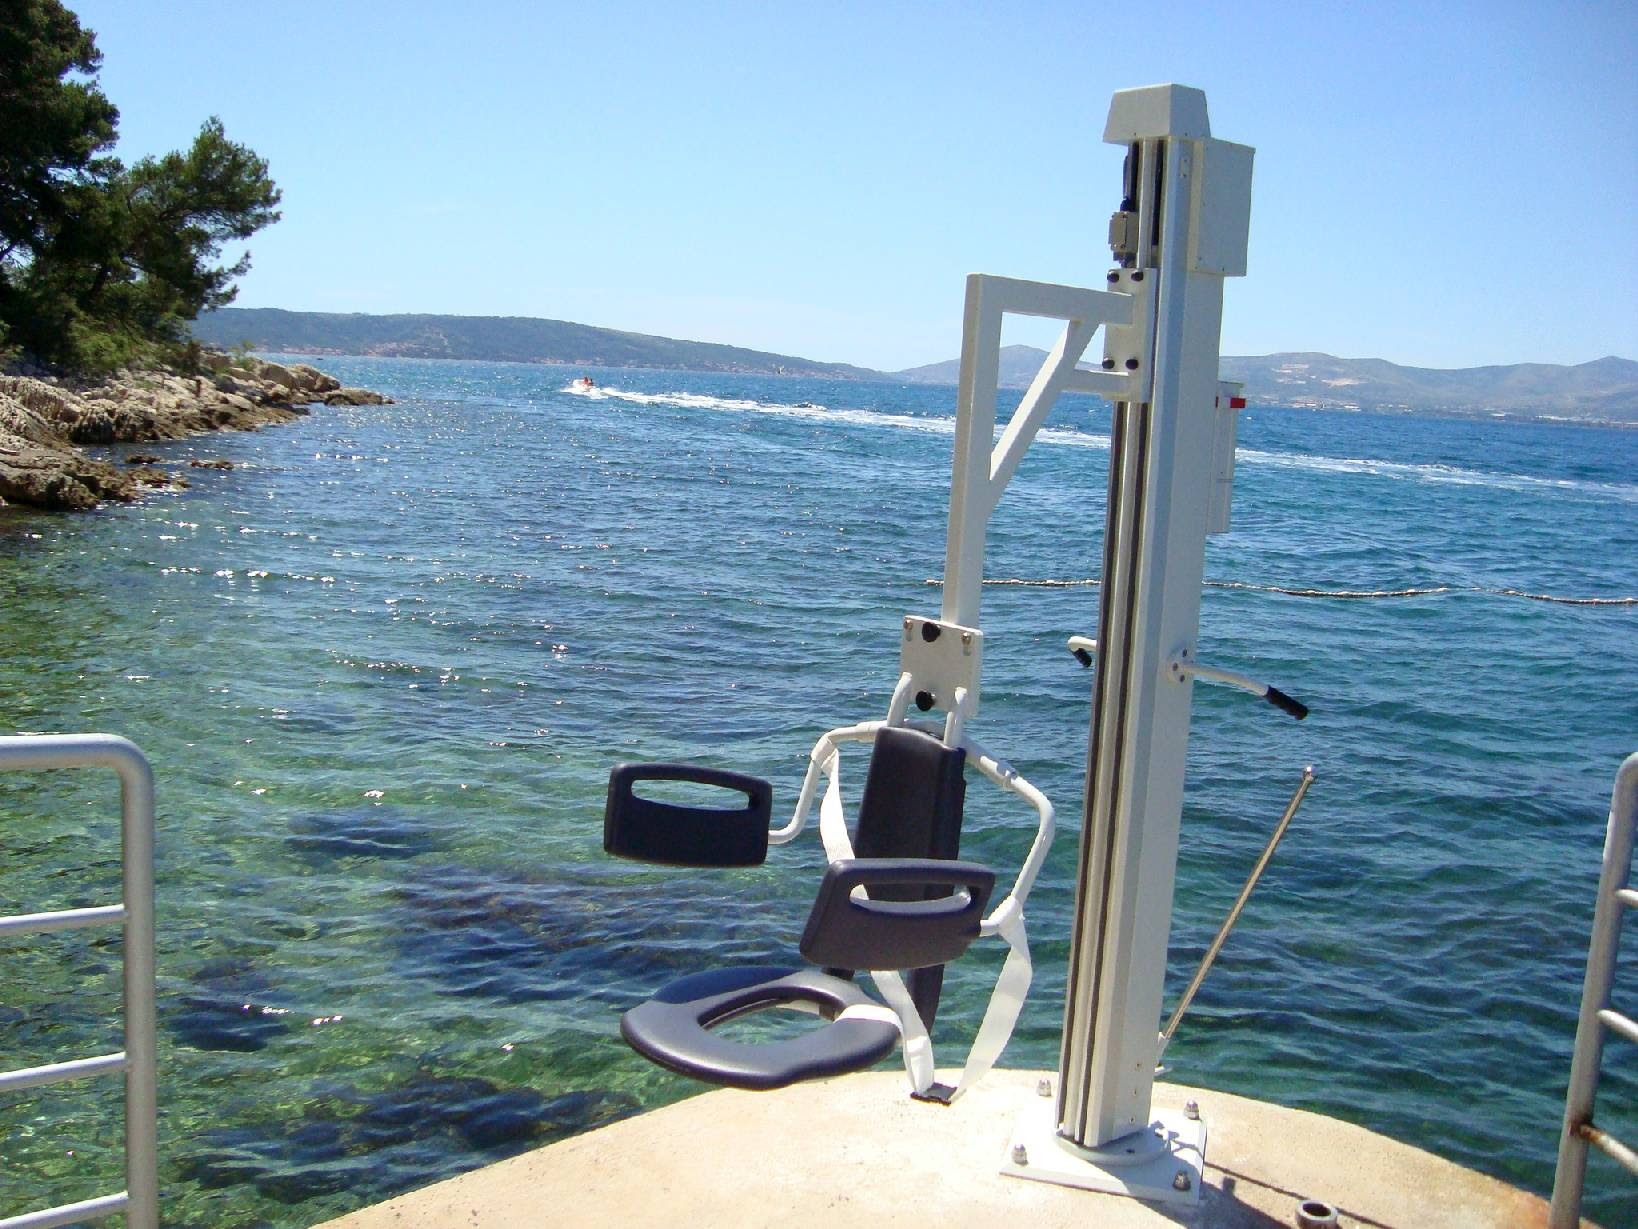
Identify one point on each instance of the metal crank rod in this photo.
(1183, 667)
(1234, 913)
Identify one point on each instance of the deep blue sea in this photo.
(383, 666)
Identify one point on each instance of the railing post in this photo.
(37, 752)
(1595, 997)
(141, 1041)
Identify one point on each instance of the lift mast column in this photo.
(1182, 226)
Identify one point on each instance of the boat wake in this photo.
(690, 401)
(1069, 437)
(1092, 582)
(779, 409)
(1450, 475)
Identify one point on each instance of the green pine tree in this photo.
(103, 265)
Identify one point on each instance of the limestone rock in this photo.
(148, 476)
(311, 379)
(37, 464)
(42, 419)
(354, 396)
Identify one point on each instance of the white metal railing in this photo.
(1597, 1015)
(139, 1201)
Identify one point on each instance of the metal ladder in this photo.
(1597, 1015)
(135, 912)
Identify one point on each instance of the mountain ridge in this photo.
(520, 339)
(1604, 389)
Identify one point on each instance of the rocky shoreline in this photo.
(44, 421)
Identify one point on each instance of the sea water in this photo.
(383, 665)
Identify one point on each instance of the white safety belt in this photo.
(1010, 989)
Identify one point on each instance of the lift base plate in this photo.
(1163, 1164)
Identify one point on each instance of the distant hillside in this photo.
(518, 339)
(1605, 389)
(1018, 367)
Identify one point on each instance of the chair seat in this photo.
(673, 1028)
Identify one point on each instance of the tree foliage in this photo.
(102, 264)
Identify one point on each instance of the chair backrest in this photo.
(911, 808)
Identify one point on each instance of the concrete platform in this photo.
(858, 1151)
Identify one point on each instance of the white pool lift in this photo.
(1180, 230)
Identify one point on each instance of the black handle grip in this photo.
(698, 774)
(895, 934)
(1286, 704)
(873, 873)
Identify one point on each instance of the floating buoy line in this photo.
(1346, 594)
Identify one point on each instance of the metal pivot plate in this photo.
(1164, 1164)
(942, 657)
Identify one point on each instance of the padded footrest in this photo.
(673, 1028)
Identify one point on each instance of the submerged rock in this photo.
(385, 1141)
(227, 1008)
(148, 476)
(364, 831)
(513, 935)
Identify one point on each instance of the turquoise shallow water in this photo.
(382, 668)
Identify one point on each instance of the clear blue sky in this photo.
(1437, 184)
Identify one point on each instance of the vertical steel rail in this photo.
(1596, 1014)
(40, 752)
(1113, 683)
(1182, 230)
(1151, 608)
